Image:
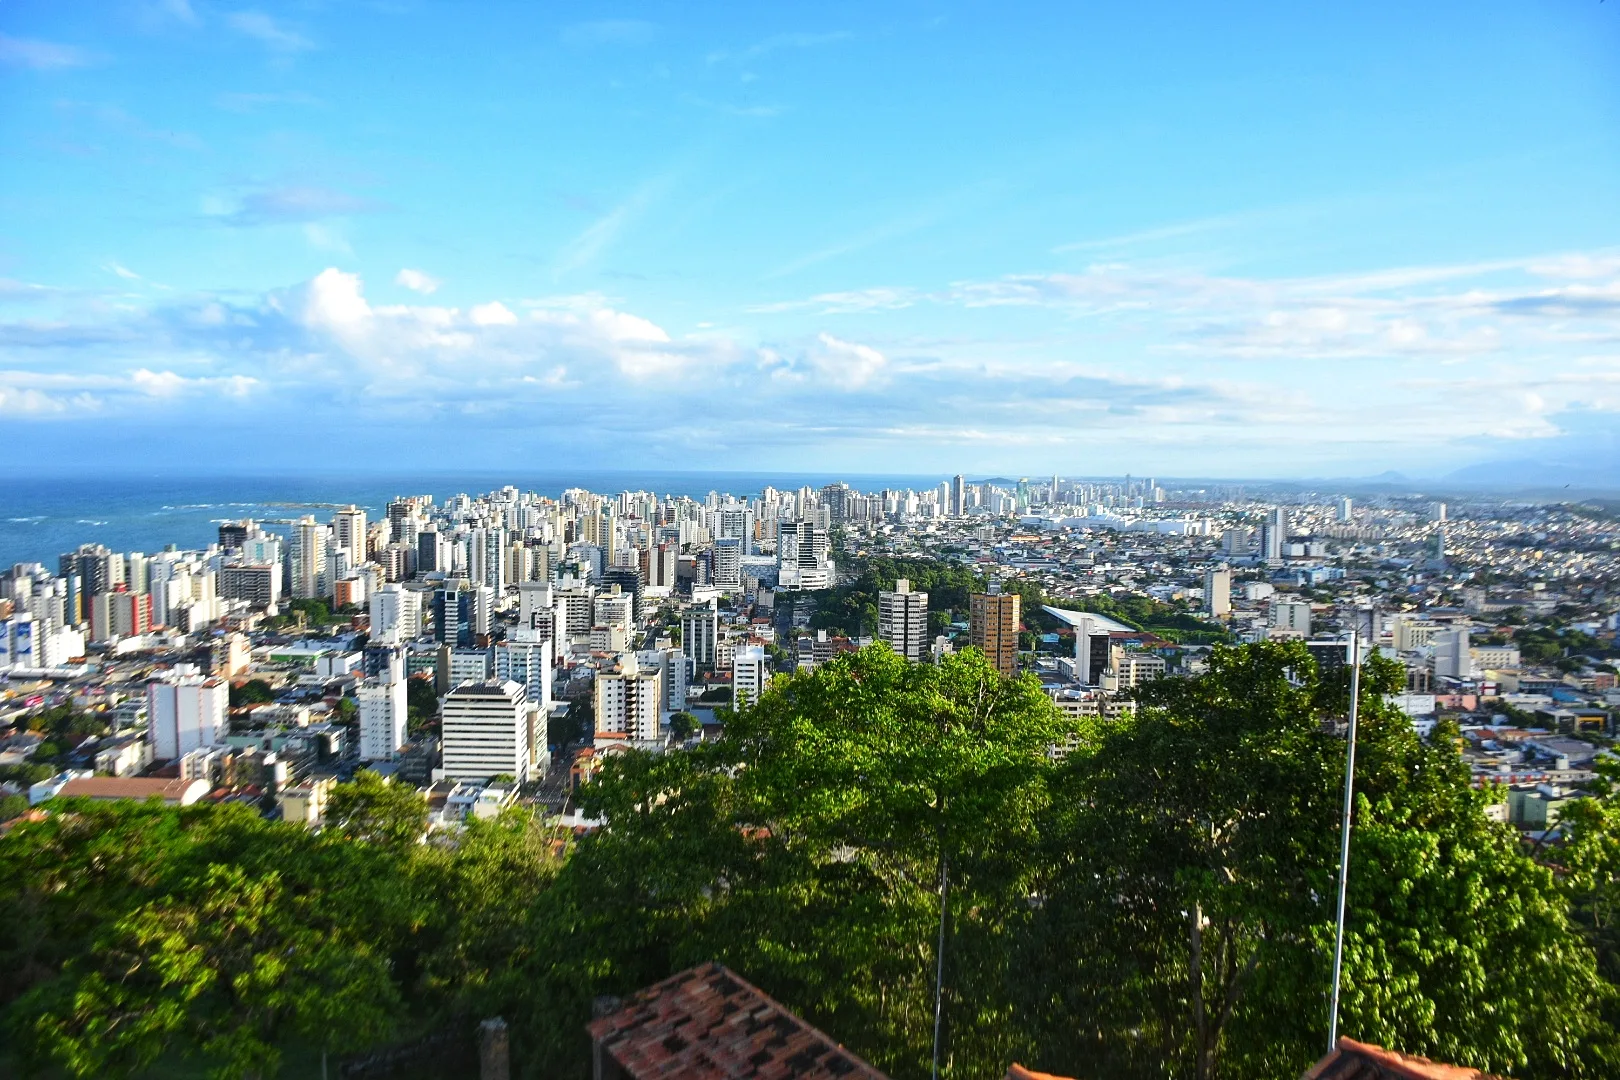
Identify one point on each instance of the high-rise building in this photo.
(1273, 534)
(1453, 658)
(629, 580)
(671, 664)
(658, 565)
(728, 564)
(993, 621)
(486, 732)
(528, 663)
(1218, 591)
(750, 672)
(185, 710)
(260, 586)
(430, 551)
(120, 614)
(1346, 509)
(306, 558)
(349, 532)
(958, 505)
(903, 620)
(382, 718)
(700, 631)
(233, 534)
(1092, 652)
(628, 701)
(396, 614)
(537, 613)
(1290, 618)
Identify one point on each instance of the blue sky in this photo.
(1185, 239)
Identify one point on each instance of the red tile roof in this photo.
(708, 1023)
(1352, 1060)
(1018, 1072)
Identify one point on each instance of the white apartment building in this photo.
(396, 614)
(1290, 618)
(751, 671)
(382, 718)
(185, 710)
(529, 663)
(469, 666)
(903, 620)
(306, 558)
(486, 732)
(628, 702)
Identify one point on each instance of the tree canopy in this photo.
(1144, 897)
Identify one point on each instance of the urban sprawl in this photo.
(496, 648)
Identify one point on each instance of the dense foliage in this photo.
(1153, 900)
(850, 608)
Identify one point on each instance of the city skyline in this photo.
(1250, 244)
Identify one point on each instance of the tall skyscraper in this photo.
(903, 620)
(700, 631)
(993, 621)
(958, 505)
(1346, 509)
(306, 558)
(349, 532)
(1273, 534)
(728, 564)
(486, 731)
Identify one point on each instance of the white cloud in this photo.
(40, 55)
(493, 313)
(417, 281)
(1233, 368)
(268, 32)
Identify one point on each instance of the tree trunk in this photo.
(1200, 1019)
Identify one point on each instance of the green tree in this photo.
(1591, 859)
(806, 847)
(227, 965)
(252, 692)
(1188, 919)
(683, 725)
(373, 810)
(12, 806)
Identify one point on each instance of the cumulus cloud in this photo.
(417, 281)
(846, 364)
(1234, 370)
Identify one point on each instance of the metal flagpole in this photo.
(1344, 839)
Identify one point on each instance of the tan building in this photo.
(137, 788)
(993, 624)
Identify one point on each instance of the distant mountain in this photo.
(1540, 475)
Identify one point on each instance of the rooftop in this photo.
(1352, 1060)
(709, 1022)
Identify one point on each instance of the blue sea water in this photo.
(41, 518)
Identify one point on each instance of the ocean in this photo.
(42, 518)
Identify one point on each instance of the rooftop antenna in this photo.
(1344, 838)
